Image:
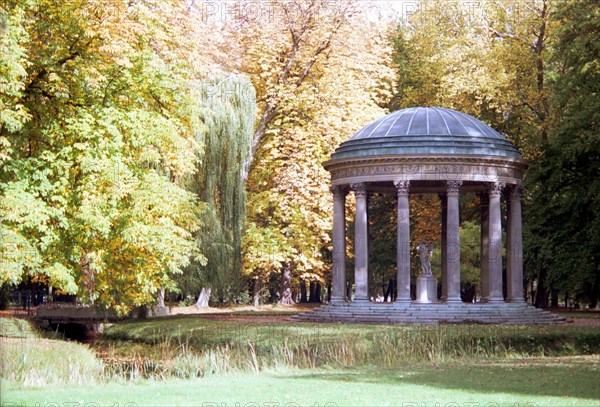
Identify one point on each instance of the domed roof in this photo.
(426, 131)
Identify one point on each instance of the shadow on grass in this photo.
(574, 378)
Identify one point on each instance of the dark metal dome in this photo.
(426, 131)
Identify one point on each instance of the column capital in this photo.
(338, 191)
(495, 188)
(453, 186)
(402, 186)
(360, 189)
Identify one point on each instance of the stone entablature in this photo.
(426, 168)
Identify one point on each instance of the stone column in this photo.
(495, 243)
(444, 201)
(403, 247)
(361, 244)
(453, 243)
(515, 259)
(507, 240)
(339, 245)
(484, 203)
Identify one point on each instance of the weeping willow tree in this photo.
(228, 113)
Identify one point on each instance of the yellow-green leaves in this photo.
(92, 190)
(322, 89)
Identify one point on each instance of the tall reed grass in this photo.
(386, 346)
(43, 362)
(189, 354)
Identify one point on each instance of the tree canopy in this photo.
(97, 135)
(172, 145)
(564, 212)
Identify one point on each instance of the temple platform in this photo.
(436, 313)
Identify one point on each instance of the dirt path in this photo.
(264, 314)
(245, 308)
(248, 318)
(281, 314)
(17, 313)
(585, 322)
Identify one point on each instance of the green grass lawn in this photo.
(189, 360)
(540, 382)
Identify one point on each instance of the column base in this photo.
(454, 301)
(402, 302)
(495, 300)
(517, 301)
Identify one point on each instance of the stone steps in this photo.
(502, 313)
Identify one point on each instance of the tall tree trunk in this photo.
(311, 289)
(266, 118)
(161, 297)
(348, 291)
(88, 276)
(595, 293)
(303, 297)
(203, 298)
(389, 291)
(539, 49)
(532, 291)
(541, 296)
(318, 291)
(595, 286)
(256, 293)
(299, 30)
(554, 298)
(285, 296)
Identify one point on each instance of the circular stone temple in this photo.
(430, 150)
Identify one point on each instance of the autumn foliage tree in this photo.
(319, 79)
(563, 212)
(96, 137)
(117, 173)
